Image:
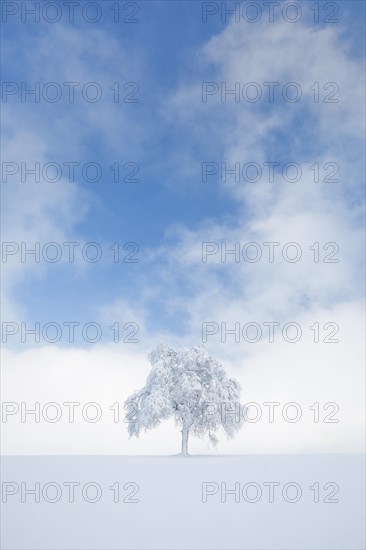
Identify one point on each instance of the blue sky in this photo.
(163, 53)
(140, 212)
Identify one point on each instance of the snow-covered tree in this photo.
(191, 387)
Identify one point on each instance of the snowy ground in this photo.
(168, 512)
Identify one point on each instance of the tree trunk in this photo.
(185, 433)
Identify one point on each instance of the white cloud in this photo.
(43, 132)
(281, 372)
(304, 212)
